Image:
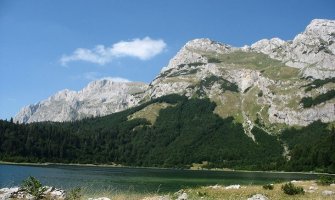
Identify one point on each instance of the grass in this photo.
(229, 105)
(246, 192)
(117, 196)
(269, 67)
(250, 105)
(150, 112)
(208, 193)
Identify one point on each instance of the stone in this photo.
(17, 193)
(312, 189)
(100, 198)
(328, 193)
(57, 193)
(215, 186)
(233, 187)
(5, 193)
(258, 197)
(183, 196)
(165, 197)
(295, 181)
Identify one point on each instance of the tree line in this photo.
(188, 132)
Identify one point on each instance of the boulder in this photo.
(258, 197)
(233, 187)
(328, 193)
(100, 198)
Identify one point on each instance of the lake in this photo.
(137, 180)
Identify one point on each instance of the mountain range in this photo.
(268, 106)
(272, 81)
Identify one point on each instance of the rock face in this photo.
(312, 51)
(261, 85)
(99, 98)
(19, 193)
(258, 197)
(265, 82)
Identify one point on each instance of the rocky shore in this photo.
(19, 193)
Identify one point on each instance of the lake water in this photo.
(142, 180)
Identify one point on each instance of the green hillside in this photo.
(184, 132)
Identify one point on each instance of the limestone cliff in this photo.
(99, 98)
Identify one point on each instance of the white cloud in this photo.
(143, 49)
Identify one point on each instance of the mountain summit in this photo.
(311, 51)
(270, 82)
(98, 98)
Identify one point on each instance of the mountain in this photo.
(98, 98)
(268, 106)
(273, 82)
(311, 51)
(184, 133)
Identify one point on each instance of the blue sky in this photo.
(47, 46)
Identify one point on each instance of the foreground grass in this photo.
(245, 192)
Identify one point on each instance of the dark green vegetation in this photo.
(309, 101)
(34, 187)
(291, 189)
(188, 132)
(326, 180)
(208, 82)
(311, 148)
(268, 187)
(213, 60)
(318, 83)
(74, 194)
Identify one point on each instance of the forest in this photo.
(186, 133)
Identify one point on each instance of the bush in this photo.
(291, 189)
(326, 180)
(260, 93)
(74, 194)
(34, 187)
(268, 186)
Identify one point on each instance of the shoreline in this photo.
(162, 168)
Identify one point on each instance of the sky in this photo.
(47, 46)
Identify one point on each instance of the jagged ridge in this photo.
(268, 77)
(98, 98)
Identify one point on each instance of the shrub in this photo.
(291, 189)
(74, 194)
(326, 180)
(214, 60)
(268, 186)
(34, 187)
(260, 93)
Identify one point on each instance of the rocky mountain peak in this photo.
(98, 98)
(207, 45)
(192, 52)
(312, 51)
(265, 82)
(321, 28)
